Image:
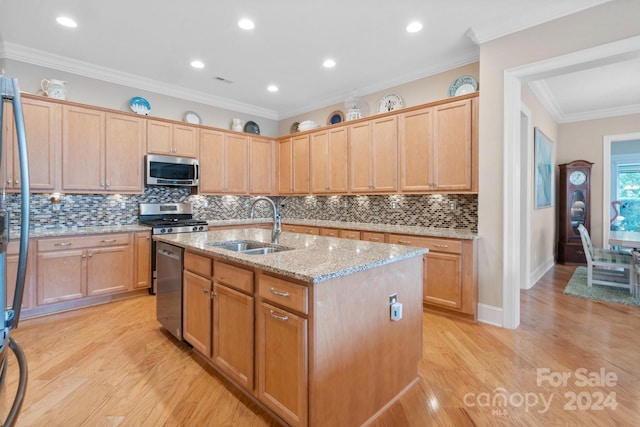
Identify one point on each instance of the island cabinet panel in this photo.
(450, 284)
(262, 166)
(43, 124)
(281, 363)
(196, 300)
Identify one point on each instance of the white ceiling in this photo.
(149, 45)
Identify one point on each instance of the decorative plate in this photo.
(192, 117)
(389, 102)
(335, 117)
(294, 127)
(252, 127)
(463, 85)
(140, 105)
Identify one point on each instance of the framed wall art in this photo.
(543, 174)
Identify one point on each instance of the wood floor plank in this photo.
(112, 365)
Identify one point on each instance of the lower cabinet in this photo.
(302, 229)
(142, 262)
(450, 274)
(11, 275)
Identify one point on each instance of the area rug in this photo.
(577, 286)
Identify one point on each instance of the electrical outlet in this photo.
(453, 206)
(394, 205)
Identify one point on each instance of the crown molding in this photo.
(21, 53)
(527, 19)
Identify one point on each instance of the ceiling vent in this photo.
(222, 79)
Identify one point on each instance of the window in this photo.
(627, 197)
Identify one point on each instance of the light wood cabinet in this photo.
(443, 135)
(450, 283)
(293, 158)
(171, 138)
(302, 229)
(142, 261)
(76, 267)
(233, 323)
(328, 156)
(11, 275)
(371, 236)
(373, 155)
(42, 122)
(224, 161)
(196, 300)
(330, 232)
(101, 152)
(261, 166)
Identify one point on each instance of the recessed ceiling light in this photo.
(329, 63)
(414, 27)
(197, 64)
(66, 21)
(272, 88)
(246, 24)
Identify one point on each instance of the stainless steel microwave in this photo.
(171, 170)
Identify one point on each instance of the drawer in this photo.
(59, 243)
(284, 293)
(329, 232)
(350, 234)
(198, 264)
(302, 229)
(372, 237)
(232, 276)
(434, 244)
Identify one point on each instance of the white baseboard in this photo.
(490, 314)
(539, 272)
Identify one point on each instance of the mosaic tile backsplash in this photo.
(457, 211)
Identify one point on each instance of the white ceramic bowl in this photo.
(307, 125)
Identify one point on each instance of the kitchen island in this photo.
(306, 332)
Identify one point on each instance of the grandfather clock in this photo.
(573, 209)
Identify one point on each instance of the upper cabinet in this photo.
(373, 151)
(438, 148)
(101, 152)
(43, 131)
(224, 159)
(171, 138)
(329, 149)
(293, 156)
(261, 166)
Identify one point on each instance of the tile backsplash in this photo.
(458, 211)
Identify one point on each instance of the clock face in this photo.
(577, 178)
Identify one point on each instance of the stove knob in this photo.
(195, 228)
(169, 230)
(162, 230)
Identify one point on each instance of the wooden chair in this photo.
(607, 266)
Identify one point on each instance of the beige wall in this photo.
(584, 141)
(543, 234)
(603, 24)
(428, 89)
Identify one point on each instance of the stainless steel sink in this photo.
(249, 247)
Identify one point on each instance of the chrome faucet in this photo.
(277, 225)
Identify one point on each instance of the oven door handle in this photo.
(168, 254)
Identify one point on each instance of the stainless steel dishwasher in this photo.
(169, 291)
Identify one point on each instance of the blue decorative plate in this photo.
(335, 118)
(463, 85)
(252, 127)
(140, 105)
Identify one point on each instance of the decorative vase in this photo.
(237, 125)
(54, 88)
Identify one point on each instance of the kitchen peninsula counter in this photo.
(312, 330)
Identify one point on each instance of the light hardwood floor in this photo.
(112, 365)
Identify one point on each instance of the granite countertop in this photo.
(73, 231)
(313, 259)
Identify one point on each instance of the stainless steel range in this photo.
(168, 218)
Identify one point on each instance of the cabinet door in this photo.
(319, 163)
(109, 270)
(185, 140)
(83, 141)
(233, 334)
(61, 276)
(453, 148)
(159, 137)
(338, 154)
(261, 166)
(42, 122)
(125, 136)
(416, 150)
(360, 157)
(282, 363)
(211, 161)
(443, 279)
(301, 164)
(385, 154)
(142, 260)
(285, 166)
(236, 164)
(196, 313)
(11, 275)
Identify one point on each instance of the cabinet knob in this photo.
(17, 182)
(205, 291)
(8, 181)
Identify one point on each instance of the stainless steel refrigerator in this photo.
(10, 94)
